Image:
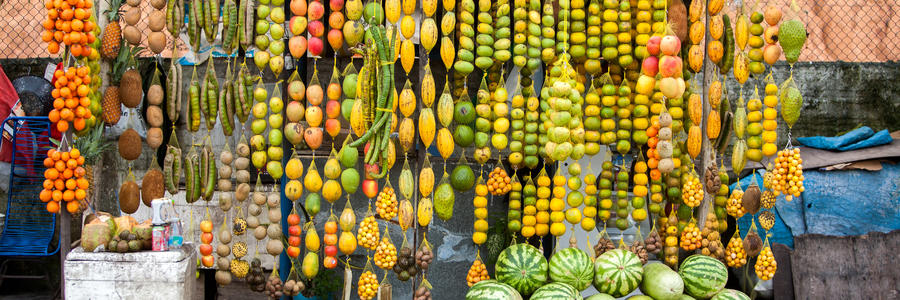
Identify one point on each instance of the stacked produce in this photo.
(589, 211)
(514, 211)
(310, 264)
(70, 25)
(206, 248)
(548, 48)
(466, 52)
(696, 33)
(772, 50)
(71, 103)
(156, 39)
(639, 192)
(298, 24)
(132, 15)
(529, 212)
(294, 231)
(64, 181)
(480, 201)
(483, 124)
(622, 205)
(605, 194)
(315, 12)
(477, 273)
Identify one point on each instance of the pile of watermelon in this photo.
(523, 272)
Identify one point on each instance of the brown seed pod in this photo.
(752, 243)
(750, 200)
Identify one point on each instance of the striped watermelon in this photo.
(703, 276)
(600, 297)
(523, 267)
(572, 266)
(617, 272)
(556, 291)
(686, 297)
(492, 290)
(729, 294)
(661, 283)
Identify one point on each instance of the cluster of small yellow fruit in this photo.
(480, 204)
(385, 254)
(769, 124)
(690, 237)
(498, 182)
(386, 204)
(367, 286)
(735, 206)
(692, 191)
(368, 233)
(557, 205)
(477, 272)
(788, 174)
(735, 256)
(765, 264)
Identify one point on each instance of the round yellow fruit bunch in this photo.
(367, 286)
(735, 256)
(735, 206)
(690, 237)
(692, 191)
(765, 264)
(767, 200)
(368, 233)
(386, 205)
(498, 182)
(788, 174)
(767, 219)
(477, 272)
(385, 254)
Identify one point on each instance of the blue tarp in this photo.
(837, 203)
(780, 232)
(859, 138)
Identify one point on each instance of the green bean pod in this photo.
(191, 174)
(211, 175)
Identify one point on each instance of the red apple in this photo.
(333, 127)
(370, 188)
(333, 109)
(316, 28)
(316, 46)
(293, 251)
(316, 10)
(297, 25)
(650, 66)
(670, 66)
(670, 45)
(371, 169)
(206, 238)
(294, 230)
(335, 38)
(331, 250)
(208, 261)
(653, 45)
(329, 262)
(294, 220)
(298, 7)
(294, 241)
(336, 5)
(205, 249)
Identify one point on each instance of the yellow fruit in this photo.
(426, 180)
(696, 11)
(695, 108)
(429, 7)
(741, 31)
(428, 35)
(694, 141)
(715, 6)
(716, 27)
(409, 6)
(392, 10)
(425, 211)
(293, 169)
(407, 54)
(406, 133)
(697, 32)
(405, 214)
(331, 190)
(445, 143)
(714, 50)
(448, 52)
(741, 67)
(713, 125)
(695, 57)
(426, 126)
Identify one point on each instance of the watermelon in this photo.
(661, 283)
(600, 297)
(572, 266)
(686, 297)
(703, 276)
(523, 267)
(617, 272)
(556, 291)
(729, 294)
(640, 297)
(492, 290)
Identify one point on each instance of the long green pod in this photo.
(194, 93)
(212, 25)
(204, 94)
(728, 41)
(226, 26)
(211, 176)
(212, 106)
(170, 17)
(191, 174)
(241, 104)
(168, 168)
(203, 157)
(172, 91)
(227, 129)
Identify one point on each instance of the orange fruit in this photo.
(67, 174)
(64, 155)
(69, 195)
(83, 90)
(79, 171)
(71, 164)
(74, 153)
(79, 123)
(85, 101)
(82, 183)
(72, 207)
(56, 195)
(80, 159)
(59, 184)
(48, 162)
(80, 194)
(53, 154)
(53, 207)
(62, 126)
(59, 165)
(54, 116)
(58, 103)
(48, 184)
(46, 195)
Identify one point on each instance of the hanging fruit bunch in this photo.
(331, 240)
(206, 239)
(70, 98)
(588, 223)
(425, 208)
(477, 272)
(606, 192)
(690, 237)
(765, 263)
(336, 23)
(223, 264)
(696, 33)
(368, 232)
(64, 180)
(498, 182)
(514, 211)
(671, 246)
(297, 43)
(575, 198)
(788, 174)
(623, 208)
(69, 24)
(529, 218)
(711, 240)
(480, 201)
(735, 256)
(367, 286)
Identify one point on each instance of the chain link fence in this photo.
(839, 30)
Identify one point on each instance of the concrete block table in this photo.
(139, 275)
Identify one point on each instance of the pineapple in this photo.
(111, 105)
(112, 35)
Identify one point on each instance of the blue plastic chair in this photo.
(29, 229)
